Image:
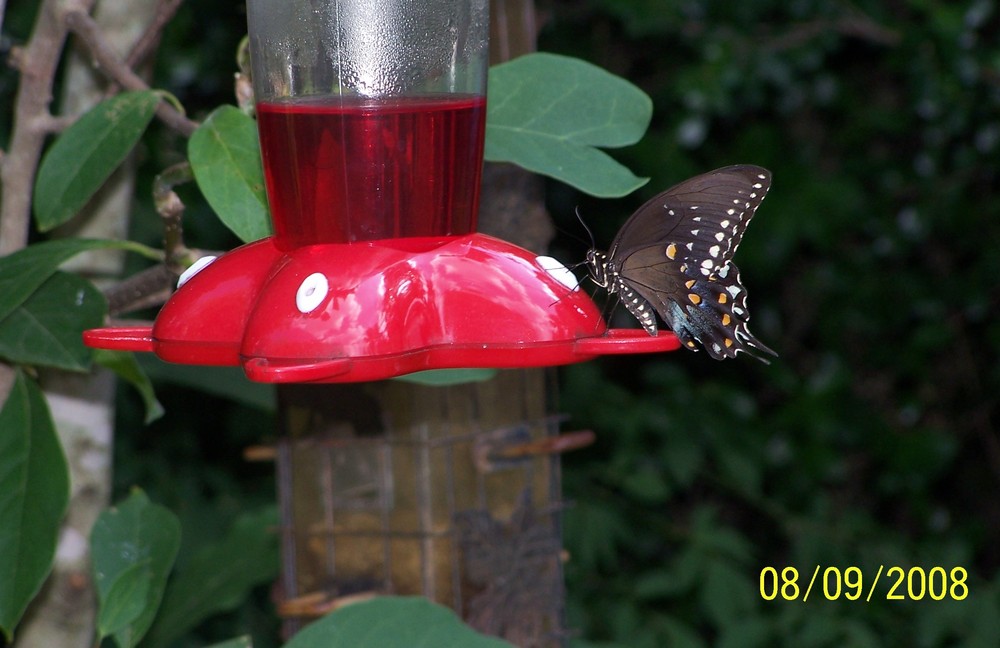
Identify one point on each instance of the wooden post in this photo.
(452, 492)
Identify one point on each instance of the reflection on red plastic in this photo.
(369, 311)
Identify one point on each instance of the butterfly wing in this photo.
(676, 253)
(702, 213)
(711, 311)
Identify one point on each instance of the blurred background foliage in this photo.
(872, 269)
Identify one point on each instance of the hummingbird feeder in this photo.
(371, 117)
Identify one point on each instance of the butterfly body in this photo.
(673, 257)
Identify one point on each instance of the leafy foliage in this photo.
(23, 272)
(133, 547)
(225, 158)
(127, 367)
(392, 622)
(87, 153)
(34, 491)
(548, 113)
(47, 328)
(219, 576)
(871, 440)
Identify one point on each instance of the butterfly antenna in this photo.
(593, 244)
(570, 291)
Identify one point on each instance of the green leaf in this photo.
(225, 158)
(219, 576)
(752, 632)
(392, 622)
(683, 457)
(743, 471)
(87, 152)
(238, 642)
(136, 540)
(227, 382)
(125, 599)
(47, 328)
(128, 368)
(658, 583)
(22, 272)
(547, 113)
(34, 491)
(727, 595)
(445, 377)
(681, 634)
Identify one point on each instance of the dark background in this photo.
(872, 270)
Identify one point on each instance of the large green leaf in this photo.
(47, 328)
(87, 152)
(225, 158)
(34, 491)
(547, 113)
(219, 576)
(392, 622)
(132, 542)
(22, 272)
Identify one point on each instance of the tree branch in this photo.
(37, 64)
(150, 39)
(89, 32)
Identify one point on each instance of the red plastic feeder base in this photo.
(374, 310)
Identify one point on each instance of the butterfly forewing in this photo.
(704, 217)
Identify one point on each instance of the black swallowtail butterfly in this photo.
(674, 256)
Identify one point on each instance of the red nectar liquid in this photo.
(356, 169)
